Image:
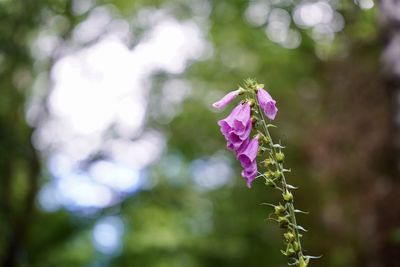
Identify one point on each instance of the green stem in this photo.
(284, 184)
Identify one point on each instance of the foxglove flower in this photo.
(250, 173)
(237, 126)
(267, 103)
(249, 153)
(238, 142)
(247, 158)
(228, 98)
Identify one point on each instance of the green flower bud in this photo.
(269, 162)
(279, 209)
(283, 222)
(289, 237)
(287, 196)
(269, 174)
(280, 157)
(278, 175)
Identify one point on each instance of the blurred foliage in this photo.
(321, 100)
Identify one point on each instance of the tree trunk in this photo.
(387, 207)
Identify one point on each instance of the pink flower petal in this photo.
(226, 99)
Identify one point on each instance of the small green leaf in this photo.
(300, 211)
(313, 257)
(291, 186)
(278, 146)
(301, 228)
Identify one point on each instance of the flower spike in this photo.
(247, 117)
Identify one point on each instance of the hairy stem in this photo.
(279, 166)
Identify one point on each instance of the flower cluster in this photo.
(237, 127)
(247, 117)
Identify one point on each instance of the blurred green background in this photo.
(110, 151)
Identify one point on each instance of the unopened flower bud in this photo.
(283, 222)
(279, 209)
(280, 157)
(287, 196)
(268, 162)
(289, 237)
(277, 174)
(269, 174)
